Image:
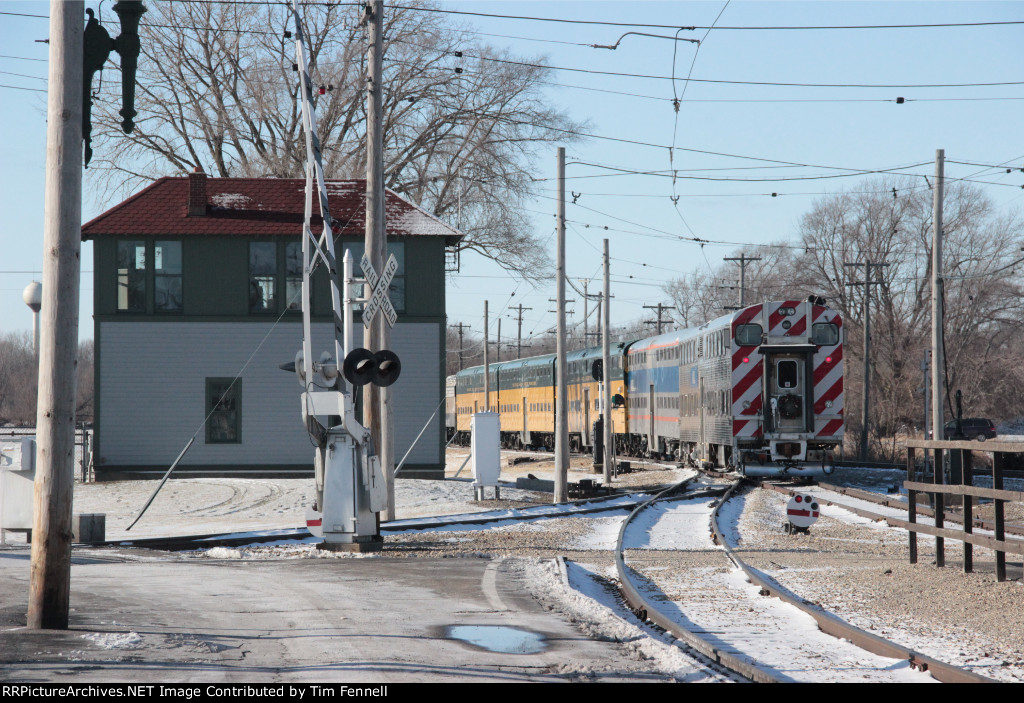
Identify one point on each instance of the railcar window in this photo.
(749, 335)
(787, 374)
(825, 333)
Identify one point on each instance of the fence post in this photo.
(939, 477)
(998, 460)
(912, 504)
(967, 479)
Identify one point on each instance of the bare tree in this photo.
(705, 295)
(84, 384)
(462, 123)
(891, 221)
(19, 380)
(19, 372)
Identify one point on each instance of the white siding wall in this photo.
(152, 388)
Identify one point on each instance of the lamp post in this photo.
(33, 297)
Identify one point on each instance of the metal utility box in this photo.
(88, 528)
(17, 486)
(485, 444)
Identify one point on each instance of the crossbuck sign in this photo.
(379, 299)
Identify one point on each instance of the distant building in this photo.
(197, 280)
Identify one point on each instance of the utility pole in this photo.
(377, 413)
(561, 493)
(606, 364)
(499, 340)
(927, 413)
(744, 260)
(519, 333)
(50, 579)
(659, 307)
(461, 328)
(487, 362)
(938, 360)
(866, 397)
(587, 334)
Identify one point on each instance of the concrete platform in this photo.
(141, 617)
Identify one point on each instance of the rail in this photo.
(963, 450)
(837, 627)
(647, 609)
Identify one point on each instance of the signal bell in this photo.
(363, 366)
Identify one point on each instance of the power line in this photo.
(21, 58)
(735, 82)
(24, 14)
(673, 26)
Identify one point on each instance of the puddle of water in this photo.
(498, 638)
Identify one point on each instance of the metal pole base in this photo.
(372, 544)
(478, 493)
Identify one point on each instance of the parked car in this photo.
(978, 428)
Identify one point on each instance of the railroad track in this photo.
(760, 644)
(643, 591)
(300, 534)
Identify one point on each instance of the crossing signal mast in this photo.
(350, 487)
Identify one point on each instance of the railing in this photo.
(963, 450)
(83, 440)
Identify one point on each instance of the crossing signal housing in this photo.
(362, 366)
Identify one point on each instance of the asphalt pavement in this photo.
(141, 618)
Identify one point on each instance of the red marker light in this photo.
(799, 499)
(746, 359)
(828, 359)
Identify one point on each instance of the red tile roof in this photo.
(256, 207)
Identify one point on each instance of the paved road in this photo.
(142, 620)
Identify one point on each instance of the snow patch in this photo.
(114, 640)
(230, 201)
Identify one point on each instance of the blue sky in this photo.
(833, 130)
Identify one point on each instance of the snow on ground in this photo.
(217, 505)
(194, 506)
(681, 524)
(708, 595)
(594, 605)
(858, 569)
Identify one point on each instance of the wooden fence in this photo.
(939, 490)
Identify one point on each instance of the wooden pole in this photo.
(377, 413)
(938, 361)
(561, 493)
(606, 363)
(50, 580)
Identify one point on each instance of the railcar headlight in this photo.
(828, 403)
(746, 405)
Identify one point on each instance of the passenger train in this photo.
(763, 384)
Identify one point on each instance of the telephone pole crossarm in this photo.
(744, 260)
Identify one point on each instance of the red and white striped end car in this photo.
(786, 384)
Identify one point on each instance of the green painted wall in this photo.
(215, 279)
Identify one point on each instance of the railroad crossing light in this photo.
(388, 367)
(360, 367)
(363, 366)
(597, 370)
